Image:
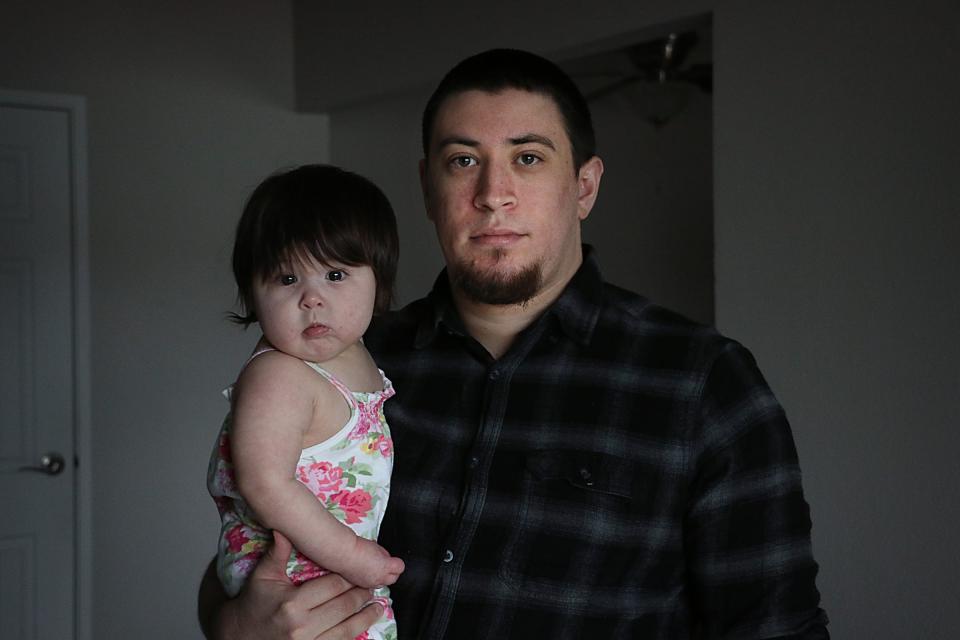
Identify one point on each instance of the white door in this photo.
(37, 392)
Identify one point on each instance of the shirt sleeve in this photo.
(747, 528)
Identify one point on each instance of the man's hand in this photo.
(270, 606)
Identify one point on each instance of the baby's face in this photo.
(315, 311)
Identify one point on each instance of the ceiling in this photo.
(347, 54)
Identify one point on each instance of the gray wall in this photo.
(189, 106)
(835, 191)
(838, 254)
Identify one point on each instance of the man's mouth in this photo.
(497, 237)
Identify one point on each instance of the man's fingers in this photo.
(319, 591)
(273, 565)
(336, 607)
(327, 607)
(332, 604)
(355, 624)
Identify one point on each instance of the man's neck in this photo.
(496, 326)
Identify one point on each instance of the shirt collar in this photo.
(578, 307)
(440, 312)
(576, 310)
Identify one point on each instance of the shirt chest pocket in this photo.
(594, 473)
(576, 524)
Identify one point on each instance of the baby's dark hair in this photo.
(318, 211)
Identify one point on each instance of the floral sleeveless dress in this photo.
(349, 473)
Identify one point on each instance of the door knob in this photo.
(50, 464)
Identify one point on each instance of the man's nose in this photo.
(495, 189)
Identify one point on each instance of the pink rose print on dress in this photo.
(378, 444)
(355, 504)
(368, 416)
(245, 565)
(322, 478)
(363, 636)
(236, 538)
(224, 448)
(300, 569)
(225, 479)
(223, 504)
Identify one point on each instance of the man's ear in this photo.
(588, 185)
(424, 187)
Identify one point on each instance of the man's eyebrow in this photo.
(467, 142)
(535, 138)
(526, 138)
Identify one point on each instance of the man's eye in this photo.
(463, 161)
(336, 275)
(287, 279)
(528, 159)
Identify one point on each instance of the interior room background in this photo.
(807, 205)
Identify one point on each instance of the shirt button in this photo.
(448, 556)
(587, 476)
(494, 374)
(474, 461)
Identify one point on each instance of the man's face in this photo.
(500, 187)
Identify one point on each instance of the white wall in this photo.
(189, 106)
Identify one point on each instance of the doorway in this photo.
(650, 94)
(44, 374)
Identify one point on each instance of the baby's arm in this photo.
(275, 402)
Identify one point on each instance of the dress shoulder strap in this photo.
(335, 381)
(258, 352)
(228, 392)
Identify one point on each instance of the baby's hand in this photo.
(371, 565)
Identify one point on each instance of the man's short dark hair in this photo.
(318, 211)
(498, 69)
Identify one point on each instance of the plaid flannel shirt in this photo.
(621, 472)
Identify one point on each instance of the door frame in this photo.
(75, 109)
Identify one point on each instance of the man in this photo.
(572, 461)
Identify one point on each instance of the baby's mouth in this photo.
(316, 330)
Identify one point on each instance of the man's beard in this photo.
(490, 287)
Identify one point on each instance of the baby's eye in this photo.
(336, 275)
(287, 279)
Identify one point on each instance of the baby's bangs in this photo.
(304, 254)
